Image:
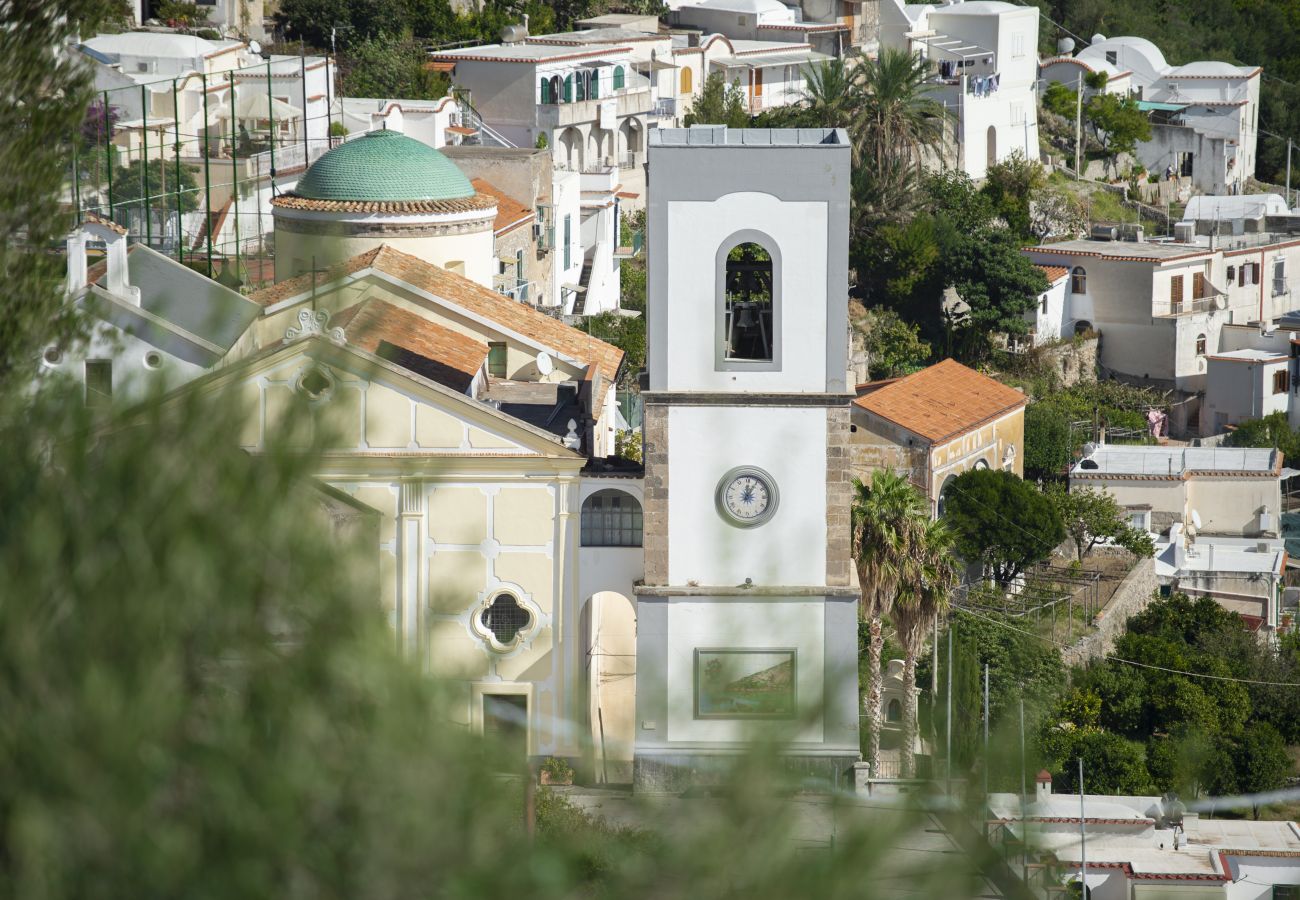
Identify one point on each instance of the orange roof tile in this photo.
(412, 341)
(510, 212)
(94, 218)
(942, 401)
(1054, 273)
(405, 207)
(468, 295)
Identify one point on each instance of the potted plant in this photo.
(556, 771)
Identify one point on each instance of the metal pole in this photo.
(270, 114)
(1288, 173)
(1022, 757)
(76, 179)
(948, 717)
(986, 730)
(176, 148)
(1083, 839)
(144, 154)
(306, 148)
(234, 164)
(207, 170)
(329, 100)
(1078, 130)
(108, 153)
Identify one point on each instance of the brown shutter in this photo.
(1176, 293)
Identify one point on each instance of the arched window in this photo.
(580, 81)
(618, 78)
(687, 83)
(505, 618)
(748, 304)
(568, 88)
(1200, 345)
(1078, 281)
(556, 87)
(611, 518)
(594, 93)
(547, 99)
(894, 712)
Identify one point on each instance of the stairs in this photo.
(580, 305)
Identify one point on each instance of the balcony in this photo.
(631, 101)
(1185, 307)
(664, 108)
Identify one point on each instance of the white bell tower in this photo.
(747, 620)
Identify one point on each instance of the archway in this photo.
(629, 142)
(571, 141)
(610, 629)
(993, 145)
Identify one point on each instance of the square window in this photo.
(99, 382)
(498, 356)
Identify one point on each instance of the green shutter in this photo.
(568, 221)
(568, 88)
(497, 356)
(595, 85)
(546, 91)
(618, 78)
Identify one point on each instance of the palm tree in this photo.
(901, 121)
(921, 601)
(888, 514)
(832, 98)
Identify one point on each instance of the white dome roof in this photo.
(1208, 67)
(1154, 58)
(757, 7)
(978, 7)
(1067, 807)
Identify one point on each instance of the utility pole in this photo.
(1288, 173)
(1083, 839)
(986, 731)
(948, 717)
(1078, 129)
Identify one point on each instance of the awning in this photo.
(1290, 473)
(1153, 106)
(251, 103)
(656, 65)
(953, 47)
(763, 60)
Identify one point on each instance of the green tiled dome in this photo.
(384, 165)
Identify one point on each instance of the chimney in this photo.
(76, 261)
(118, 279)
(1042, 785)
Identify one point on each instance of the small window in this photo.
(52, 356)
(315, 384)
(748, 303)
(1281, 381)
(497, 359)
(611, 518)
(894, 711)
(1017, 45)
(153, 360)
(99, 382)
(546, 97)
(1112, 57)
(568, 88)
(505, 618)
(594, 92)
(1200, 345)
(1232, 274)
(1176, 294)
(1078, 281)
(1199, 291)
(618, 78)
(568, 242)
(687, 81)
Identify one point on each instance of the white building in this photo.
(1053, 317)
(1205, 115)
(1146, 847)
(244, 17)
(984, 54)
(746, 614)
(1243, 575)
(1229, 491)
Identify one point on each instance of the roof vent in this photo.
(513, 34)
(1065, 46)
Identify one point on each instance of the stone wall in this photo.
(1073, 361)
(654, 431)
(1133, 595)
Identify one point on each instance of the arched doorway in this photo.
(629, 141)
(993, 145)
(571, 141)
(610, 620)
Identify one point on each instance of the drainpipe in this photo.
(1261, 285)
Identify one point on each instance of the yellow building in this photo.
(935, 424)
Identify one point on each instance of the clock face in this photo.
(747, 496)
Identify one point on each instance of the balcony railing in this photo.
(1183, 307)
(664, 108)
(627, 161)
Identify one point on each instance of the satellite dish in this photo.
(1065, 46)
(255, 48)
(1220, 301)
(1098, 38)
(1196, 520)
(544, 364)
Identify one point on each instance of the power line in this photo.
(1130, 662)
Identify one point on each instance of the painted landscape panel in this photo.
(744, 684)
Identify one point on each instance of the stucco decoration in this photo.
(314, 323)
(523, 636)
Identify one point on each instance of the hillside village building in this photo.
(1205, 114)
(985, 65)
(935, 424)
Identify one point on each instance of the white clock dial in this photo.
(747, 496)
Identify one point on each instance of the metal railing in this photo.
(664, 108)
(627, 161)
(1183, 307)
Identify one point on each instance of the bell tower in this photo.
(747, 618)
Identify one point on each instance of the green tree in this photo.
(1060, 100)
(901, 121)
(719, 103)
(389, 65)
(1001, 523)
(187, 15)
(164, 192)
(1271, 431)
(1011, 185)
(889, 514)
(832, 97)
(625, 332)
(1092, 516)
(1111, 764)
(893, 347)
(922, 598)
(1117, 123)
(1047, 441)
(1263, 764)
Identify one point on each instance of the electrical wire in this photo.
(1130, 662)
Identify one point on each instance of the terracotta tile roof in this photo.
(510, 212)
(458, 205)
(413, 342)
(96, 219)
(942, 401)
(1054, 273)
(468, 295)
